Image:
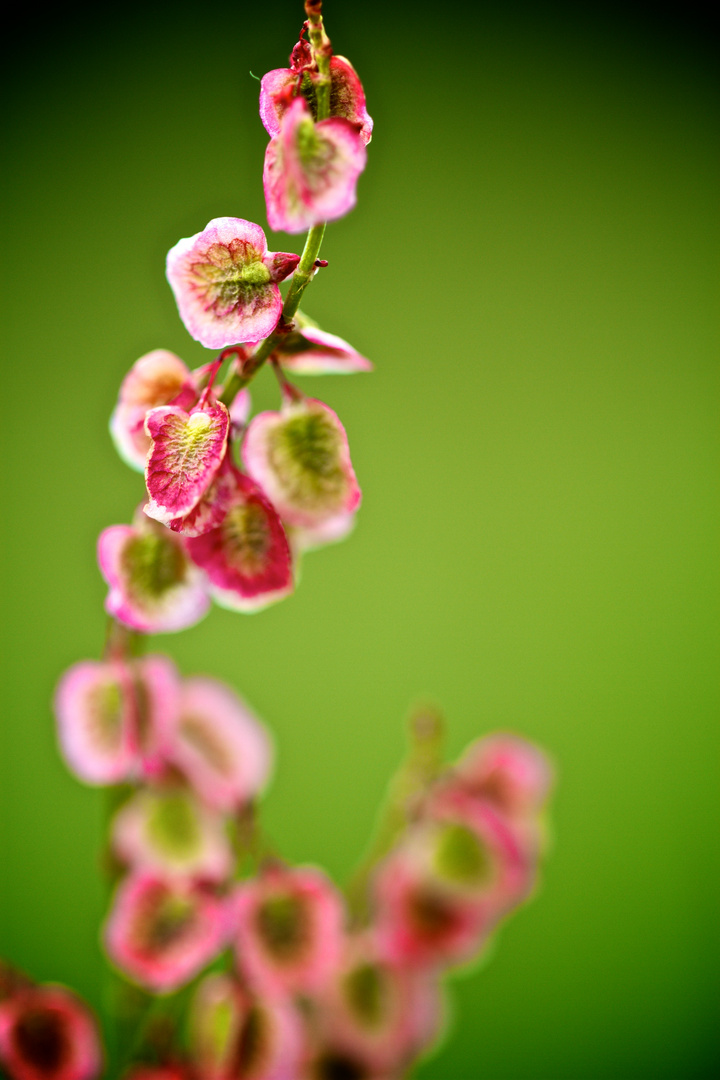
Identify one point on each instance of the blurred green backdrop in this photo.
(533, 268)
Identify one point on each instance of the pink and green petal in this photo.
(158, 378)
(162, 931)
(247, 558)
(233, 1034)
(209, 513)
(300, 457)
(308, 350)
(347, 97)
(507, 771)
(225, 283)
(331, 531)
(169, 831)
(48, 1033)
(311, 170)
(94, 707)
(154, 587)
(289, 930)
(187, 451)
(222, 749)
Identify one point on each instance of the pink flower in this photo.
(162, 931)
(509, 772)
(301, 458)
(154, 587)
(233, 1035)
(47, 1033)
(158, 378)
(170, 832)
(246, 556)
(94, 709)
(419, 923)
(225, 282)
(308, 350)
(377, 1008)
(221, 747)
(347, 97)
(187, 451)
(157, 1072)
(311, 170)
(289, 930)
(115, 718)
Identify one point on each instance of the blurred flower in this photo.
(221, 747)
(225, 282)
(154, 587)
(158, 378)
(507, 771)
(288, 929)
(236, 1037)
(170, 832)
(311, 170)
(47, 1033)
(94, 708)
(301, 458)
(162, 931)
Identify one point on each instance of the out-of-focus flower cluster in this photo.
(304, 982)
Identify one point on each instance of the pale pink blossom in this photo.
(311, 170)
(421, 924)
(225, 282)
(162, 931)
(507, 771)
(158, 378)
(378, 1008)
(94, 707)
(154, 587)
(169, 831)
(246, 555)
(289, 929)
(308, 350)
(347, 97)
(235, 1036)
(47, 1033)
(220, 746)
(300, 457)
(187, 450)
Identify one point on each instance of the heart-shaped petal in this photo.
(187, 451)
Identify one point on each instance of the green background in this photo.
(532, 267)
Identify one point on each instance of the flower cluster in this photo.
(307, 982)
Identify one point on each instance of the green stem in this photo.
(322, 51)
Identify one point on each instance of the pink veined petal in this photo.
(289, 930)
(311, 170)
(300, 457)
(210, 511)
(347, 97)
(48, 1033)
(220, 746)
(247, 558)
(158, 378)
(308, 350)
(225, 291)
(154, 588)
(162, 931)
(187, 451)
(94, 710)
